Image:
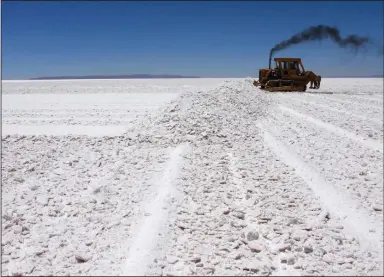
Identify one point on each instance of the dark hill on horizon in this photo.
(130, 76)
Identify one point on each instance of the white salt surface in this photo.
(86, 107)
(268, 184)
(77, 114)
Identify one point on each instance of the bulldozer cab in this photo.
(289, 67)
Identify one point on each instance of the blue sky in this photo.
(208, 39)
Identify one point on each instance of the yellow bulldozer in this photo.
(288, 75)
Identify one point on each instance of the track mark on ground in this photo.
(330, 98)
(141, 251)
(353, 96)
(326, 107)
(234, 167)
(333, 199)
(376, 145)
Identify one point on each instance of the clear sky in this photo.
(208, 39)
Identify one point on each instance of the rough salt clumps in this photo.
(203, 115)
(290, 244)
(211, 230)
(50, 195)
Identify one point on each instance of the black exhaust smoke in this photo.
(321, 32)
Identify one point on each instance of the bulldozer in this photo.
(288, 75)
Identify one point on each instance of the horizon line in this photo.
(159, 76)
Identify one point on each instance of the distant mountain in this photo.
(131, 76)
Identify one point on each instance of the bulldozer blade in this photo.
(284, 89)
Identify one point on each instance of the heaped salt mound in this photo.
(230, 110)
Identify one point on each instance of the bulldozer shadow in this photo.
(319, 92)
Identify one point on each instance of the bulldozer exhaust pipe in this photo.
(270, 60)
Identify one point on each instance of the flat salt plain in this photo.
(86, 107)
(191, 177)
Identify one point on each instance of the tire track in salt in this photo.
(234, 165)
(330, 98)
(354, 220)
(325, 107)
(373, 144)
(340, 161)
(375, 97)
(141, 252)
(354, 96)
(355, 108)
